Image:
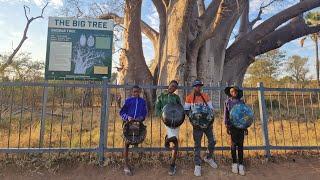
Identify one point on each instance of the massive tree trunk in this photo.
(173, 63)
(193, 45)
(134, 68)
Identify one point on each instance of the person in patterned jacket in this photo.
(194, 100)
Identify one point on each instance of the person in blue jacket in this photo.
(134, 109)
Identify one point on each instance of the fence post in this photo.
(103, 119)
(264, 119)
(43, 116)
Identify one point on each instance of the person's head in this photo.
(234, 92)
(136, 90)
(197, 85)
(173, 85)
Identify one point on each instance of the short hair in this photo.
(136, 87)
(174, 81)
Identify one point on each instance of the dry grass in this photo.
(293, 120)
(85, 123)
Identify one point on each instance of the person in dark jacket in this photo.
(134, 109)
(234, 94)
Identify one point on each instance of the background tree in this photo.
(312, 19)
(22, 67)
(114, 77)
(266, 68)
(9, 59)
(296, 68)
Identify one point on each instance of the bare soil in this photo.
(297, 168)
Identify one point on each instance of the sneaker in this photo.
(127, 171)
(197, 170)
(235, 168)
(211, 162)
(172, 169)
(241, 170)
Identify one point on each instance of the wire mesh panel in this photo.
(64, 115)
(156, 130)
(53, 115)
(293, 119)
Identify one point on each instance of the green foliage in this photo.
(266, 68)
(313, 18)
(22, 68)
(113, 78)
(296, 67)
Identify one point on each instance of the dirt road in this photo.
(298, 169)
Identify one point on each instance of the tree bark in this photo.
(214, 65)
(134, 68)
(173, 62)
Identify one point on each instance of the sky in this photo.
(12, 23)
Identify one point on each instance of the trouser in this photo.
(197, 137)
(172, 136)
(237, 138)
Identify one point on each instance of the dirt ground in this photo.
(299, 168)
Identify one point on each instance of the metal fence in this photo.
(84, 117)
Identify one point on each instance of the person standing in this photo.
(235, 94)
(133, 110)
(194, 101)
(168, 96)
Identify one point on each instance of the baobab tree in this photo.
(192, 41)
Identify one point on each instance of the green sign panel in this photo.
(79, 48)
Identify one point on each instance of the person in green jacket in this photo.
(168, 96)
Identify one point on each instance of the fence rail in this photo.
(42, 117)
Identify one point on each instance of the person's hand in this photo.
(130, 118)
(246, 131)
(228, 130)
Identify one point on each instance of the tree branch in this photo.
(248, 41)
(24, 37)
(152, 34)
(244, 21)
(254, 21)
(293, 30)
(258, 18)
(165, 2)
(201, 7)
(227, 15)
(161, 9)
(211, 12)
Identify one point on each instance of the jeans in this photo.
(197, 137)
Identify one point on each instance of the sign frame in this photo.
(78, 49)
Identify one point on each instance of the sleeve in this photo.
(226, 115)
(144, 109)
(208, 100)
(158, 106)
(178, 99)
(124, 111)
(187, 103)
